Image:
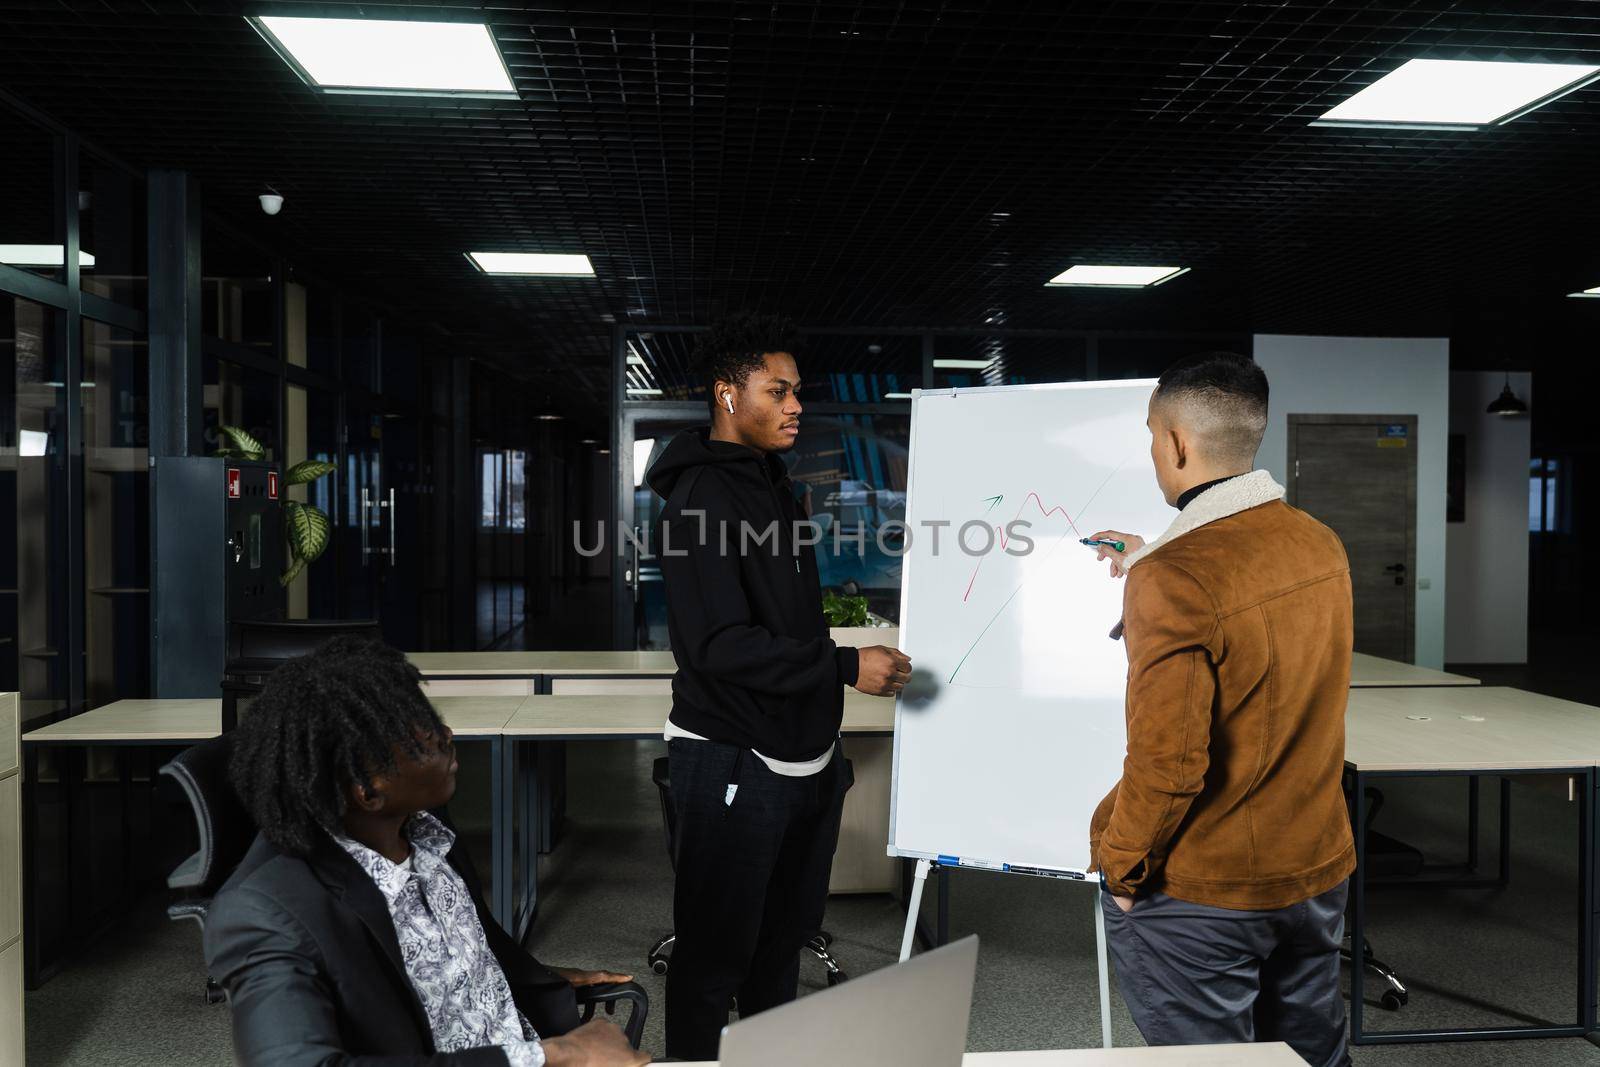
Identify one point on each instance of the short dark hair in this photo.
(1223, 398)
(323, 721)
(734, 345)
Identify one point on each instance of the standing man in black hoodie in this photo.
(758, 779)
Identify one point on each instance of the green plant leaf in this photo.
(843, 610)
(298, 565)
(308, 471)
(241, 441)
(309, 530)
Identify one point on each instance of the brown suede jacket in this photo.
(1238, 631)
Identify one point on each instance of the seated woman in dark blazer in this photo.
(355, 932)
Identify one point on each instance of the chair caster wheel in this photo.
(1393, 1001)
(822, 939)
(835, 977)
(658, 964)
(214, 993)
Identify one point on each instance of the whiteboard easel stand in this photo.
(914, 911)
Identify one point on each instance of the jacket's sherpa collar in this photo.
(1218, 502)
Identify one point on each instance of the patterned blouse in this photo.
(447, 957)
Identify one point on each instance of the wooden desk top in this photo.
(1275, 1054)
(1400, 729)
(524, 664)
(156, 721)
(529, 717)
(642, 716)
(1364, 670)
(1368, 671)
(138, 720)
(1465, 729)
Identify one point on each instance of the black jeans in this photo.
(1198, 975)
(752, 883)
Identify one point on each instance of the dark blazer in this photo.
(308, 954)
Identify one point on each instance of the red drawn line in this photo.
(1003, 540)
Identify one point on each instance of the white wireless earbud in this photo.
(728, 402)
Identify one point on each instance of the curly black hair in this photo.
(322, 722)
(734, 345)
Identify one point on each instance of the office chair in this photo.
(659, 957)
(257, 647)
(226, 832)
(1386, 857)
(224, 828)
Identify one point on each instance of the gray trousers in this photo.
(1197, 975)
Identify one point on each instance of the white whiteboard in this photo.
(1012, 728)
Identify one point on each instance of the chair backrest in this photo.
(224, 826)
(257, 647)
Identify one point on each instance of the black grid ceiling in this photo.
(860, 164)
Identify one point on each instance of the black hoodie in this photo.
(756, 667)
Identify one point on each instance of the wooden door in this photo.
(1358, 474)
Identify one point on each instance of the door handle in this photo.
(393, 512)
(633, 572)
(367, 504)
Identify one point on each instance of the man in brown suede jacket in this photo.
(1225, 849)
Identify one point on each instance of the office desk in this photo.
(1470, 731)
(529, 673)
(1275, 1054)
(1368, 671)
(183, 722)
(863, 830)
(861, 865)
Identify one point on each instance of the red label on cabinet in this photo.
(233, 483)
(272, 485)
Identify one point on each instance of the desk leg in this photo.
(1505, 831)
(500, 839)
(545, 756)
(125, 784)
(1472, 824)
(32, 972)
(1584, 1023)
(1586, 904)
(545, 801)
(1358, 912)
(76, 845)
(530, 784)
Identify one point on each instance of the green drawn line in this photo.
(985, 630)
(993, 500)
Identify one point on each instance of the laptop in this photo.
(912, 1013)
